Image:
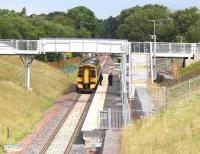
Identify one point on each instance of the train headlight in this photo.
(80, 86)
(92, 86)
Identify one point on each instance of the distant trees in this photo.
(170, 26)
(131, 24)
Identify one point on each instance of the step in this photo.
(141, 81)
(140, 76)
(140, 67)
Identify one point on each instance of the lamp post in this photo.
(154, 51)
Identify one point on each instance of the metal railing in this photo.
(19, 45)
(140, 47)
(111, 119)
(165, 47)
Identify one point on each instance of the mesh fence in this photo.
(111, 119)
(183, 91)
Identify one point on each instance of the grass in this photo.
(21, 110)
(186, 73)
(174, 130)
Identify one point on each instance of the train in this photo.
(87, 77)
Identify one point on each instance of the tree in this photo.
(185, 18)
(110, 25)
(133, 23)
(83, 19)
(193, 33)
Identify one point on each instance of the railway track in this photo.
(68, 128)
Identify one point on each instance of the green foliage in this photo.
(84, 19)
(131, 24)
(185, 18)
(134, 24)
(110, 25)
(193, 33)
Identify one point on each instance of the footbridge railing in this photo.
(167, 49)
(19, 47)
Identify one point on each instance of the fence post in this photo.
(109, 119)
(166, 96)
(189, 93)
(7, 135)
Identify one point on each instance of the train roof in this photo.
(93, 61)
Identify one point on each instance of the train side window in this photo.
(80, 73)
(92, 73)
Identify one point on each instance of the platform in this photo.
(91, 121)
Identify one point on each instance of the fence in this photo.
(148, 101)
(183, 91)
(111, 119)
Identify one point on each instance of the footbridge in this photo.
(138, 59)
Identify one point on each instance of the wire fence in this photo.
(183, 91)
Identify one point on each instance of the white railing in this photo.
(19, 44)
(166, 48)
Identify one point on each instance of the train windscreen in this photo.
(80, 73)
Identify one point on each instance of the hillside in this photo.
(20, 110)
(174, 130)
(185, 74)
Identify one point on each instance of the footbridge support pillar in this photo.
(27, 60)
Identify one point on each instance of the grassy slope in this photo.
(174, 130)
(186, 73)
(21, 110)
(171, 131)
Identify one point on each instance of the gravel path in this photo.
(61, 140)
(35, 141)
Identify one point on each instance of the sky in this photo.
(102, 8)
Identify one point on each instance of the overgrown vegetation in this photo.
(20, 110)
(190, 71)
(186, 73)
(174, 130)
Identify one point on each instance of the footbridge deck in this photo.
(42, 46)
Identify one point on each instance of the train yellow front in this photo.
(87, 77)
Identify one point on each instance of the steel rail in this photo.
(56, 130)
(79, 125)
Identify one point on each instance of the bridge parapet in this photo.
(19, 46)
(166, 49)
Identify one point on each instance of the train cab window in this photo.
(80, 73)
(92, 73)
